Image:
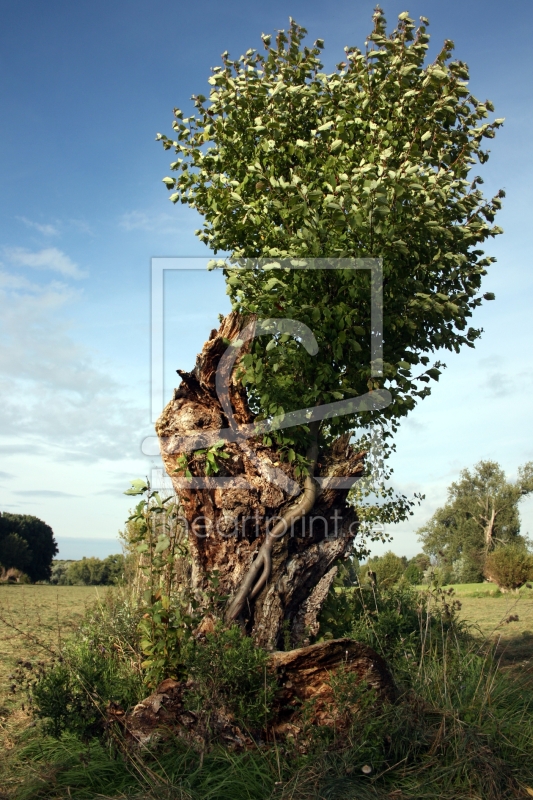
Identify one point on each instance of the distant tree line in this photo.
(388, 570)
(27, 550)
(474, 537)
(88, 571)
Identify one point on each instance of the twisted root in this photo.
(250, 586)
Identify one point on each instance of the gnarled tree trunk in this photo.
(227, 521)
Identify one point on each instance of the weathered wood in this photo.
(306, 678)
(164, 713)
(305, 697)
(227, 525)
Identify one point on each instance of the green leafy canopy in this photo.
(284, 161)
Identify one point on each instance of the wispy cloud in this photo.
(50, 258)
(55, 399)
(81, 226)
(498, 384)
(46, 230)
(152, 222)
(4, 476)
(43, 493)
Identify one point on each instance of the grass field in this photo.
(493, 613)
(34, 620)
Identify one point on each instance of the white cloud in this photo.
(140, 220)
(10, 281)
(50, 258)
(55, 399)
(46, 230)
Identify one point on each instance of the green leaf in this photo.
(162, 543)
(138, 486)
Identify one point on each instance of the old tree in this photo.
(286, 164)
(481, 514)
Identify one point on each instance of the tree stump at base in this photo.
(319, 685)
(328, 680)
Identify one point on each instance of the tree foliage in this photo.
(14, 552)
(27, 543)
(481, 513)
(89, 571)
(284, 161)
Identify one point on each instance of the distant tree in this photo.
(509, 566)
(480, 514)
(27, 543)
(388, 568)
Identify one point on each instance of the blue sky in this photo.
(85, 88)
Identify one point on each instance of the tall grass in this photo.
(459, 729)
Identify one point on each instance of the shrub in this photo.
(413, 574)
(389, 568)
(99, 666)
(396, 621)
(230, 671)
(509, 566)
(58, 575)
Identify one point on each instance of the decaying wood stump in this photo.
(306, 697)
(164, 713)
(307, 676)
(227, 523)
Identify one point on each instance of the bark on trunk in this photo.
(489, 532)
(227, 524)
